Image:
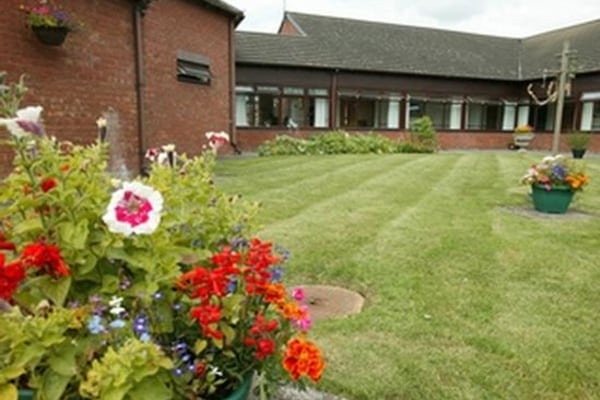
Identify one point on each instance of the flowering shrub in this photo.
(556, 171)
(120, 289)
(46, 13)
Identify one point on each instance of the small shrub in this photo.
(422, 132)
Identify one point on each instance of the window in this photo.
(244, 106)
(483, 115)
(268, 98)
(193, 68)
(293, 107)
(318, 108)
(509, 116)
(590, 116)
(542, 117)
(368, 110)
(444, 113)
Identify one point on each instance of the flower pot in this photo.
(25, 394)
(553, 201)
(51, 35)
(578, 153)
(523, 139)
(241, 393)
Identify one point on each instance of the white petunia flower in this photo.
(26, 122)
(135, 208)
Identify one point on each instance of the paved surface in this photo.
(289, 393)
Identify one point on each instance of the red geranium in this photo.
(11, 275)
(47, 257)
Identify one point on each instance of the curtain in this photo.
(455, 115)
(508, 118)
(321, 118)
(523, 117)
(587, 113)
(241, 118)
(393, 115)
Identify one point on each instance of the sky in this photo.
(510, 18)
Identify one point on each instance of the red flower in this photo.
(208, 316)
(46, 257)
(226, 258)
(4, 245)
(11, 275)
(48, 184)
(205, 283)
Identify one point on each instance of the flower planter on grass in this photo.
(553, 201)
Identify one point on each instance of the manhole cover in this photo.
(331, 301)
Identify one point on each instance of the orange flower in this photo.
(275, 293)
(302, 357)
(577, 181)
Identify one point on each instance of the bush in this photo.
(340, 142)
(423, 133)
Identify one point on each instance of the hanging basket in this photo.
(51, 35)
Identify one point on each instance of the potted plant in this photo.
(48, 21)
(578, 142)
(522, 136)
(553, 183)
(124, 289)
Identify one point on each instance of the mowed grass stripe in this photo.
(351, 217)
(287, 195)
(466, 298)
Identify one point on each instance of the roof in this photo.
(237, 14)
(347, 44)
(541, 51)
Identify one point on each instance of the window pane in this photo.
(319, 112)
(356, 112)
(293, 112)
(268, 89)
(293, 91)
(318, 92)
(244, 110)
(268, 110)
(596, 116)
(475, 116)
(508, 117)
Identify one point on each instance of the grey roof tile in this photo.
(379, 47)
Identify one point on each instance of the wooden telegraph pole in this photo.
(562, 79)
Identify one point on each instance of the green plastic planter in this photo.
(25, 394)
(553, 201)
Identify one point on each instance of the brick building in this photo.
(334, 73)
(162, 74)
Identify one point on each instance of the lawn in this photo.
(468, 296)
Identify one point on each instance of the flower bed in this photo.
(120, 289)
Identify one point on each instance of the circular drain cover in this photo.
(331, 301)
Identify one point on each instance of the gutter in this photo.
(232, 99)
(138, 13)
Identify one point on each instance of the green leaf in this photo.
(63, 361)
(152, 385)
(55, 289)
(54, 385)
(31, 224)
(88, 266)
(228, 331)
(199, 346)
(8, 391)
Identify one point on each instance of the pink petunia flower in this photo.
(134, 209)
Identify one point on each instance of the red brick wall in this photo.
(250, 139)
(76, 82)
(287, 28)
(94, 70)
(180, 112)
